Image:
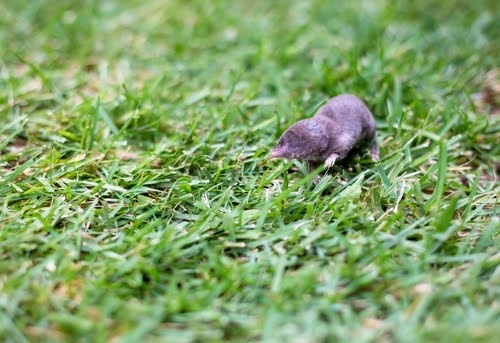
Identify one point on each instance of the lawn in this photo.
(137, 202)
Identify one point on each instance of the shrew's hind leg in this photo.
(374, 150)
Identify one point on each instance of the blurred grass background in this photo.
(136, 201)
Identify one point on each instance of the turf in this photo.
(137, 202)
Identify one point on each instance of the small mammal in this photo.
(343, 123)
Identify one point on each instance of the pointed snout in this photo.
(276, 153)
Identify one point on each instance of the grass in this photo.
(136, 201)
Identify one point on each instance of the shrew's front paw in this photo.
(330, 161)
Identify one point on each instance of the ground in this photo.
(137, 202)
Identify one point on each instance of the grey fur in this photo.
(343, 123)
